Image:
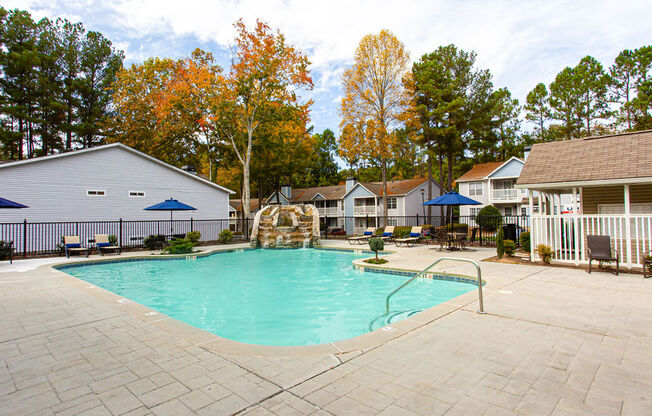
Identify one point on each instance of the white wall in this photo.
(55, 189)
(413, 201)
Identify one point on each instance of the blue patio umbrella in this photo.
(452, 198)
(5, 203)
(170, 205)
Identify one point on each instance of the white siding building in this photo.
(105, 183)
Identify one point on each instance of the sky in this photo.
(521, 42)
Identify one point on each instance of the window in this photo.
(523, 211)
(473, 212)
(508, 210)
(391, 203)
(136, 194)
(392, 221)
(94, 192)
(475, 188)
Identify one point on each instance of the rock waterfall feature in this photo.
(286, 226)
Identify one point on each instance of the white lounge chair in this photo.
(72, 244)
(102, 243)
(361, 239)
(411, 240)
(388, 233)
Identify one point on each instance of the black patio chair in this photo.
(599, 248)
(7, 250)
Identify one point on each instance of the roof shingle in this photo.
(619, 156)
(479, 172)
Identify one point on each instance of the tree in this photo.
(505, 118)
(322, 169)
(374, 101)
(626, 76)
(565, 102)
(592, 83)
(537, 107)
(263, 87)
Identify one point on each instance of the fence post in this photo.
(480, 229)
(417, 219)
(191, 224)
(25, 238)
(120, 232)
(326, 227)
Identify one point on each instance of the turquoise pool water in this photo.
(269, 297)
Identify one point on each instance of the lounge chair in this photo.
(71, 245)
(440, 236)
(599, 248)
(7, 249)
(415, 235)
(102, 243)
(361, 239)
(388, 233)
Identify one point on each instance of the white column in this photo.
(576, 231)
(628, 229)
(533, 238)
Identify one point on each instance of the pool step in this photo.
(394, 316)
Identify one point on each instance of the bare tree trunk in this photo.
(429, 187)
(384, 172)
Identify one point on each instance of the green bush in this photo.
(459, 227)
(402, 231)
(376, 245)
(154, 241)
(193, 237)
(489, 218)
(545, 252)
(524, 239)
(113, 240)
(225, 236)
(500, 244)
(180, 246)
(509, 247)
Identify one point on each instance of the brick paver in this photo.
(555, 341)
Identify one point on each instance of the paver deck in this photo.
(555, 341)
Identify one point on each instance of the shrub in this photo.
(459, 227)
(524, 239)
(180, 246)
(500, 244)
(376, 245)
(509, 247)
(545, 252)
(154, 241)
(225, 236)
(113, 240)
(489, 218)
(193, 237)
(402, 231)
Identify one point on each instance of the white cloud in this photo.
(521, 42)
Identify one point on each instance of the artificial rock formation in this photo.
(286, 226)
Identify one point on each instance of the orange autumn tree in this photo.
(189, 97)
(374, 101)
(263, 88)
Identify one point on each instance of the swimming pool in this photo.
(269, 297)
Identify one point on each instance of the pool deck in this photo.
(555, 341)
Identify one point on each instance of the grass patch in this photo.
(375, 261)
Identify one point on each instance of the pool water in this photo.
(269, 297)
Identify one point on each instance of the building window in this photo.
(475, 188)
(392, 221)
(523, 211)
(136, 194)
(391, 203)
(508, 210)
(94, 192)
(473, 212)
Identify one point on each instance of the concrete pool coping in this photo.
(215, 343)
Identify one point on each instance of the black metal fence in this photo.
(483, 232)
(41, 238)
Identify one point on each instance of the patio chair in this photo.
(102, 243)
(388, 233)
(361, 239)
(474, 233)
(72, 244)
(7, 250)
(415, 235)
(599, 248)
(440, 237)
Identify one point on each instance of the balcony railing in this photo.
(364, 210)
(508, 194)
(330, 211)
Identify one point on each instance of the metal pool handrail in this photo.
(422, 272)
